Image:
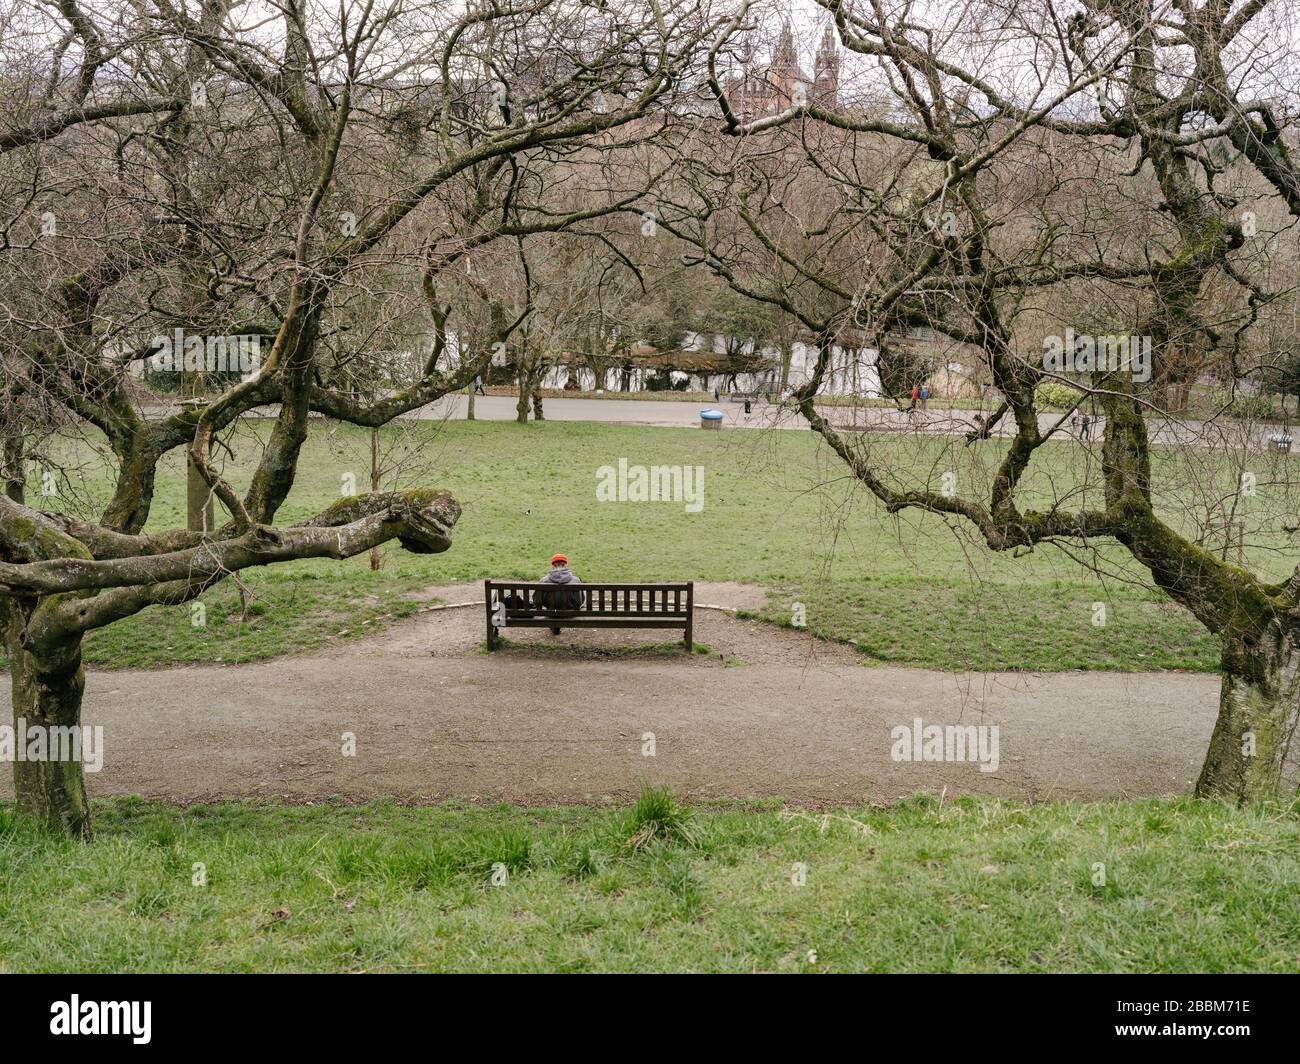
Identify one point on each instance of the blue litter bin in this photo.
(711, 419)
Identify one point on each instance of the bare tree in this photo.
(1009, 176)
(268, 177)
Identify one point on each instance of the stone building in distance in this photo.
(784, 83)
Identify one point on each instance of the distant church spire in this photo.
(826, 70)
(785, 57)
(784, 73)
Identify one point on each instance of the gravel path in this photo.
(768, 712)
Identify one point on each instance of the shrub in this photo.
(1243, 405)
(1051, 395)
(1251, 407)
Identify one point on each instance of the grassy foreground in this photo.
(964, 885)
(778, 510)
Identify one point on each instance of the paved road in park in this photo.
(680, 414)
(770, 712)
(764, 415)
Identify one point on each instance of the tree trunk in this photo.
(200, 515)
(469, 410)
(376, 475)
(14, 474)
(537, 405)
(47, 690)
(1259, 707)
(521, 405)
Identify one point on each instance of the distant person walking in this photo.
(916, 395)
(925, 397)
(478, 385)
(1085, 427)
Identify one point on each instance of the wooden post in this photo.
(487, 605)
(690, 618)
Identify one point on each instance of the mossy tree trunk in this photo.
(1259, 708)
(47, 688)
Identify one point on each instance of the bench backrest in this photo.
(599, 600)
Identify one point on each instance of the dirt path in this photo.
(546, 719)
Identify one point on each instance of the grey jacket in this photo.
(570, 600)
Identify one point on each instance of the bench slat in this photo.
(621, 621)
(541, 611)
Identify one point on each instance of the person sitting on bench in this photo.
(556, 600)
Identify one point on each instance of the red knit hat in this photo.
(559, 558)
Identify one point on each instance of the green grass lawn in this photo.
(779, 510)
(964, 885)
(925, 885)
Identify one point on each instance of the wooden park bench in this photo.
(528, 604)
